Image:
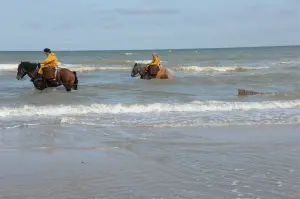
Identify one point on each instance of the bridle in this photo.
(23, 72)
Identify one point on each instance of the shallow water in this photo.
(204, 88)
(77, 161)
(122, 137)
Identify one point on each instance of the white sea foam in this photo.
(14, 67)
(127, 53)
(139, 61)
(142, 61)
(73, 67)
(219, 69)
(196, 106)
(94, 68)
(8, 67)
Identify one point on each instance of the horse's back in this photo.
(51, 72)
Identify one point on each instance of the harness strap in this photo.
(55, 73)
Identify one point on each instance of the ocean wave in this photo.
(142, 61)
(196, 106)
(219, 69)
(8, 67)
(73, 67)
(94, 68)
(86, 68)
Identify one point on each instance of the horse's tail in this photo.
(75, 85)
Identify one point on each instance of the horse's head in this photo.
(134, 71)
(21, 71)
(138, 68)
(24, 68)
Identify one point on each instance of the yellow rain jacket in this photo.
(51, 60)
(155, 61)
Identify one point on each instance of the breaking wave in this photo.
(219, 69)
(94, 68)
(142, 61)
(73, 67)
(196, 106)
(8, 67)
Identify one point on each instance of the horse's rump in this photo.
(65, 72)
(162, 73)
(49, 72)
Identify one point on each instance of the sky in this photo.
(147, 24)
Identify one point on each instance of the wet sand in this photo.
(93, 162)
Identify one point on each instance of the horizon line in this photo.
(160, 49)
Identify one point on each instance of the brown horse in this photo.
(154, 72)
(63, 77)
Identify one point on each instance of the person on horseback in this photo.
(50, 61)
(155, 62)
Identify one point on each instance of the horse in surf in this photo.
(155, 72)
(63, 77)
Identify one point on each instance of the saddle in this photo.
(49, 73)
(153, 70)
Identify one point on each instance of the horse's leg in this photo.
(75, 84)
(39, 84)
(147, 76)
(63, 78)
(73, 81)
(65, 82)
(67, 85)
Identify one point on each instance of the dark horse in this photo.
(64, 77)
(139, 69)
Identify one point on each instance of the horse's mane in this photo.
(30, 67)
(140, 65)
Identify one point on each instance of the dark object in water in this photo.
(243, 92)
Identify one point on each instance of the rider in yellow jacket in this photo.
(51, 60)
(155, 61)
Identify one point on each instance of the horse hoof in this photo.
(75, 87)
